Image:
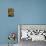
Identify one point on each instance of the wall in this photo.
(27, 12)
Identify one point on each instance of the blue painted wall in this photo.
(27, 12)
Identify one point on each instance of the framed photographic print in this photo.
(10, 12)
(28, 33)
(33, 32)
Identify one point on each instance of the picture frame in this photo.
(10, 12)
